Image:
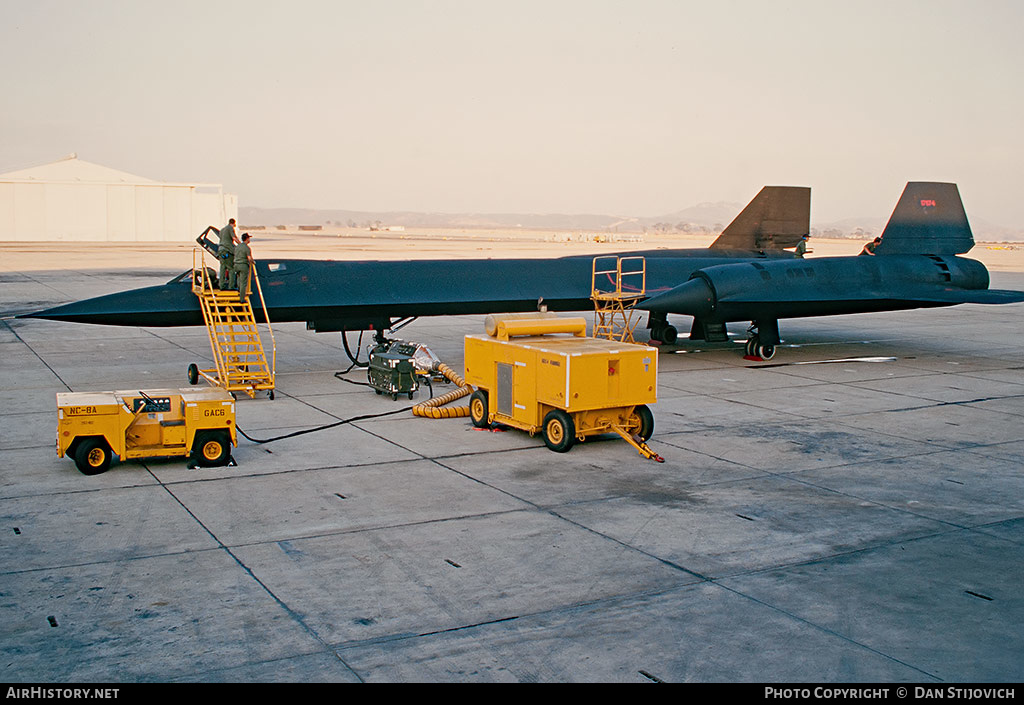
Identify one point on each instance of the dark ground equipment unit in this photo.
(391, 370)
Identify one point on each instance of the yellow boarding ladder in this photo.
(241, 362)
(617, 284)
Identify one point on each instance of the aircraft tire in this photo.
(765, 352)
(559, 431)
(669, 335)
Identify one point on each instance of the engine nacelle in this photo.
(821, 286)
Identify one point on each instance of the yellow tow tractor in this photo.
(195, 422)
(540, 373)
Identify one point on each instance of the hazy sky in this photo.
(631, 107)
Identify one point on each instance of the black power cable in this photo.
(323, 428)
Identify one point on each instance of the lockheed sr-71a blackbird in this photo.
(745, 275)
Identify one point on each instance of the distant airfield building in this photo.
(74, 200)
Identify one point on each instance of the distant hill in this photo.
(703, 217)
(706, 215)
(309, 216)
(857, 228)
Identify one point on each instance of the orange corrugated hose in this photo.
(433, 408)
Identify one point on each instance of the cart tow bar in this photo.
(639, 444)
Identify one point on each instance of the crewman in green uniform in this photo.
(801, 247)
(226, 255)
(869, 249)
(243, 263)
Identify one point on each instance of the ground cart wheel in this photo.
(92, 456)
(643, 420)
(212, 448)
(559, 431)
(478, 409)
(193, 374)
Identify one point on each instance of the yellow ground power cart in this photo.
(195, 422)
(541, 373)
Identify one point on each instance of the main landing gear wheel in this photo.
(478, 409)
(559, 431)
(666, 334)
(661, 329)
(755, 348)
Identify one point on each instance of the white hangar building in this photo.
(75, 200)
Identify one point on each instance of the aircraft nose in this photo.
(694, 298)
(168, 305)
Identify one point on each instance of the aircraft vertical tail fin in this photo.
(928, 220)
(777, 218)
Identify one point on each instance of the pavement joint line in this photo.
(883, 459)
(663, 561)
(830, 632)
(269, 542)
(821, 560)
(952, 527)
(197, 675)
(556, 610)
(111, 561)
(550, 511)
(202, 356)
(34, 280)
(295, 616)
(45, 363)
(247, 475)
(933, 443)
(875, 502)
(383, 527)
(623, 597)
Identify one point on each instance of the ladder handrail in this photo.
(613, 306)
(620, 277)
(266, 318)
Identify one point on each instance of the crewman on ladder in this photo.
(226, 255)
(243, 263)
(241, 363)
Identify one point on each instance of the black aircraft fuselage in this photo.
(334, 296)
(746, 275)
(338, 295)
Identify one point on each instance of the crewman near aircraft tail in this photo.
(801, 247)
(243, 265)
(226, 255)
(869, 249)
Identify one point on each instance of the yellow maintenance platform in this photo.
(617, 285)
(542, 374)
(240, 362)
(94, 426)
